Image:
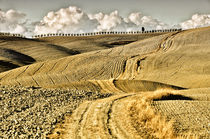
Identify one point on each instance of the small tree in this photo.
(142, 29)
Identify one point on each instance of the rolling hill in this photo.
(149, 85)
(167, 59)
(16, 52)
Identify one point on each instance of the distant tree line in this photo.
(93, 33)
(105, 33)
(11, 34)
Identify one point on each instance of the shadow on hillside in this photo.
(121, 42)
(142, 85)
(61, 48)
(117, 43)
(173, 97)
(16, 56)
(7, 64)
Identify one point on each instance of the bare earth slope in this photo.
(16, 52)
(152, 81)
(98, 65)
(100, 42)
(168, 59)
(34, 112)
(183, 60)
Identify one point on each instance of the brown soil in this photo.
(71, 75)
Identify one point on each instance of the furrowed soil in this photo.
(33, 112)
(151, 85)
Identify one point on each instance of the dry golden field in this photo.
(154, 85)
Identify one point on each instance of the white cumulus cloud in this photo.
(146, 21)
(12, 21)
(197, 20)
(75, 20)
(69, 20)
(135, 18)
(109, 22)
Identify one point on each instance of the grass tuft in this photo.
(143, 117)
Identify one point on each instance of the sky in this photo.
(115, 14)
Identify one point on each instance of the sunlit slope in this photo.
(16, 52)
(98, 65)
(36, 49)
(143, 80)
(100, 42)
(177, 58)
(184, 60)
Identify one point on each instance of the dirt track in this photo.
(98, 119)
(111, 118)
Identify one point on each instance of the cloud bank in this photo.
(75, 20)
(197, 20)
(12, 21)
(69, 20)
